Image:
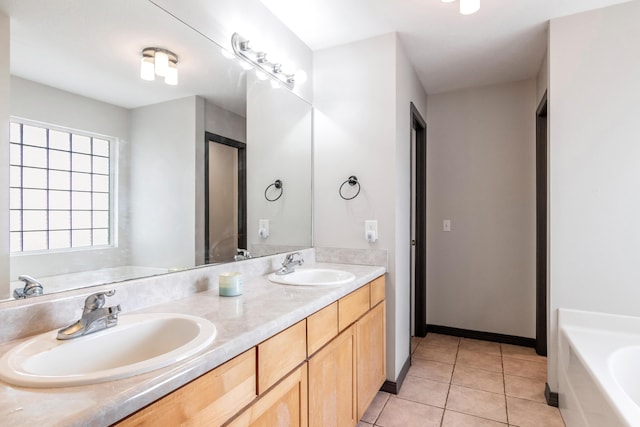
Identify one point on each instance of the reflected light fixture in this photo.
(264, 66)
(159, 62)
(467, 7)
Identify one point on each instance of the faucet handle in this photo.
(96, 301)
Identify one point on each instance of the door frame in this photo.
(242, 189)
(419, 270)
(541, 226)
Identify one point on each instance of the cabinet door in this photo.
(370, 356)
(207, 401)
(332, 381)
(285, 405)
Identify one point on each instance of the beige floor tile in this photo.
(431, 370)
(425, 391)
(457, 419)
(373, 411)
(525, 413)
(524, 388)
(477, 402)
(404, 413)
(524, 368)
(519, 352)
(490, 362)
(443, 340)
(436, 352)
(480, 346)
(415, 341)
(480, 379)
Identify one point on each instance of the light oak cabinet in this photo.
(285, 405)
(332, 383)
(370, 356)
(323, 371)
(209, 400)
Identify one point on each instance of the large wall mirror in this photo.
(108, 174)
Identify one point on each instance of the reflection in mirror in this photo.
(108, 178)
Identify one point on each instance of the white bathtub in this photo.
(598, 369)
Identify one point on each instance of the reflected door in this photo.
(225, 198)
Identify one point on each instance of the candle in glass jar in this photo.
(230, 284)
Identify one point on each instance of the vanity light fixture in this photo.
(159, 62)
(467, 7)
(262, 62)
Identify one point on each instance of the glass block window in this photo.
(60, 188)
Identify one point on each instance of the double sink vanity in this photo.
(306, 348)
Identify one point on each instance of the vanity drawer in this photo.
(210, 399)
(322, 327)
(280, 354)
(377, 291)
(352, 307)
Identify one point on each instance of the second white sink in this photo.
(314, 277)
(139, 343)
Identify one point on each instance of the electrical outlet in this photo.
(446, 225)
(371, 230)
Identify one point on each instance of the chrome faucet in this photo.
(242, 254)
(32, 287)
(95, 317)
(289, 263)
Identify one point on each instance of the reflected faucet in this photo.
(95, 317)
(242, 254)
(32, 288)
(289, 264)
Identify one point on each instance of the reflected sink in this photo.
(313, 277)
(624, 367)
(139, 343)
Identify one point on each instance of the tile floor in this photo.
(460, 382)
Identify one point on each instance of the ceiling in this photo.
(93, 47)
(504, 41)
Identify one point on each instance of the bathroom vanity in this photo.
(298, 355)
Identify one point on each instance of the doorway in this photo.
(225, 187)
(541, 227)
(418, 263)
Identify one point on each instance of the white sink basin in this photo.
(138, 344)
(313, 277)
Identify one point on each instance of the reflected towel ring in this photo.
(352, 181)
(278, 185)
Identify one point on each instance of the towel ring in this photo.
(352, 181)
(278, 186)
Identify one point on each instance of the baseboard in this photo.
(394, 387)
(485, 336)
(552, 397)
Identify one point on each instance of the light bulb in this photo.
(162, 63)
(467, 7)
(245, 65)
(147, 69)
(275, 84)
(171, 76)
(261, 75)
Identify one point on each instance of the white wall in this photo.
(594, 159)
(4, 153)
(45, 104)
(278, 147)
(361, 127)
(163, 182)
(481, 176)
(408, 90)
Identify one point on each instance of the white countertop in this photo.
(242, 322)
